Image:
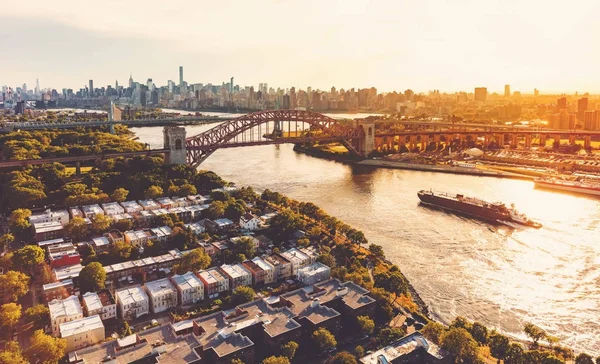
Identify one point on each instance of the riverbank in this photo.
(442, 169)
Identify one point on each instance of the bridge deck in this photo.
(70, 159)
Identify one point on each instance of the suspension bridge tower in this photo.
(174, 141)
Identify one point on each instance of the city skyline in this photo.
(388, 45)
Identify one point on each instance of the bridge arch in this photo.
(201, 146)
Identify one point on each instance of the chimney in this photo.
(314, 303)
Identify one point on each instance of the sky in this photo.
(450, 45)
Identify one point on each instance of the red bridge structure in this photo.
(277, 127)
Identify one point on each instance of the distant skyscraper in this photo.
(130, 81)
(561, 104)
(507, 91)
(37, 85)
(480, 94)
(180, 75)
(536, 92)
(117, 85)
(231, 86)
(91, 88)
(582, 105)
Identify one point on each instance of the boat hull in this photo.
(465, 209)
(566, 188)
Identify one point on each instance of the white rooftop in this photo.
(294, 255)
(71, 271)
(159, 288)
(262, 264)
(313, 269)
(211, 275)
(235, 270)
(128, 296)
(85, 324)
(69, 306)
(42, 227)
(101, 241)
(187, 281)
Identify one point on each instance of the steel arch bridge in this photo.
(271, 127)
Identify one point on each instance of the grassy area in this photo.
(71, 170)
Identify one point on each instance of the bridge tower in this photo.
(174, 141)
(366, 145)
(111, 117)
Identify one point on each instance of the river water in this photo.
(500, 276)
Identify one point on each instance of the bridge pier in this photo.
(514, 141)
(571, 138)
(587, 142)
(528, 141)
(366, 145)
(174, 141)
(543, 140)
(78, 168)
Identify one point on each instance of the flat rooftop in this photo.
(85, 324)
(402, 347)
(276, 259)
(313, 269)
(71, 271)
(131, 295)
(95, 301)
(44, 227)
(294, 255)
(69, 306)
(265, 266)
(178, 349)
(187, 281)
(235, 270)
(161, 287)
(212, 275)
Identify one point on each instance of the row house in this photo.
(238, 275)
(67, 272)
(46, 243)
(132, 302)
(298, 259)
(60, 216)
(190, 288)
(255, 241)
(91, 211)
(162, 295)
(83, 332)
(63, 310)
(264, 242)
(149, 205)
(63, 258)
(48, 230)
(219, 226)
(75, 212)
(124, 216)
(147, 265)
(197, 200)
(181, 202)
(220, 248)
(209, 249)
(57, 290)
(101, 304)
(115, 236)
(197, 228)
(283, 267)
(314, 273)
(181, 212)
(161, 234)
(215, 282)
(165, 202)
(262, 272)
(112, 209)
(137, 237)
(100, 244)
(132, 207)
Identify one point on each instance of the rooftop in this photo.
(161, 287)
(212, 275)
(235, 270)
(276, 259)
(313, 269)
(100, 241)
(223, 222)
(95, 209)
(50, 242)
(402, 347)
(57, 285)
(69, 306)
(128, 296)
(85, 324)
(187, 281)
(44, 227)
(294, 255)
(71, 271)
(95, 301)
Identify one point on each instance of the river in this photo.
(500, 276)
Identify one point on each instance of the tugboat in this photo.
(494, 212)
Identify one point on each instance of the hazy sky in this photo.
(393, 45)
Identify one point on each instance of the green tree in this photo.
(12, 354)
(234, 211)
(534, 332)
(120, 250)
(242, 294)
(289, 349)
(192, 261)
(343, 357)
(388, 335)
(16, 284)
(459, 343)
(377, 251)
(45, 349)
(77, 229)
(28, 257)
(276, 360)
(584, 358)
(461, 322)
(219, 195)
(119, 195)
(5, 241)
(10, 313)
(18, 222)
(215, 210)
(244, 245)
(101, 224)
(515, 354)
(285, 223)
(598, 360)
(153, 192)
(125, 329)
(499, 345)
(92, 277)
(366, 325)
(433, 331)
(39, 315)
(187, 189)
(479, 333)
(122, 225)
(359, 351)
(324, 339)
(327, 259)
